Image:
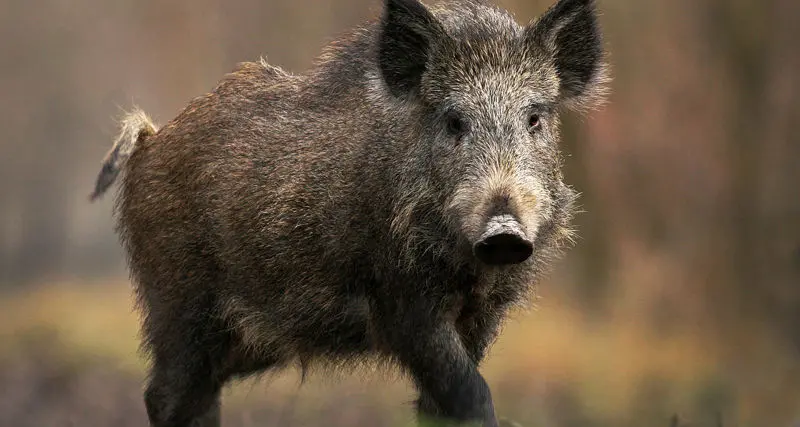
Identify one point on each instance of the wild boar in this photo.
(393, 203)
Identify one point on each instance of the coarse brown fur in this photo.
(333, 217)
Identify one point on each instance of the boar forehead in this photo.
(486, 61)
(490, 73)
(468, 18)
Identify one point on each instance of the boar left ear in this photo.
(408, 31)
(570, 33)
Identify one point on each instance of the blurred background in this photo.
(682, 297)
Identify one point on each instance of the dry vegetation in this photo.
(74, 349)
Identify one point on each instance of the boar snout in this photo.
(504, 242)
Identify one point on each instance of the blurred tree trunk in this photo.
(734, 28)
(590, 256)
(757, 44)
(758, 47)
(780, 205)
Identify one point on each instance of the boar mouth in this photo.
(503, 243)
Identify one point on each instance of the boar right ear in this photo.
(407, 31)
(570, 33)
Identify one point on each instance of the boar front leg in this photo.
(429, 348)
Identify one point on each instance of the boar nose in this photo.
(503, 243)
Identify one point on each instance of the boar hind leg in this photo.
(187, 373)
(169, 407)
(184, 390)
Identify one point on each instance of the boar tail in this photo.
(135, 127)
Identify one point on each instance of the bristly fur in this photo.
(330, 219)
(134, 127)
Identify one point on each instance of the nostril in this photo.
(503, 248)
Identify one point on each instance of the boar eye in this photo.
(456, 126)
(534, 122)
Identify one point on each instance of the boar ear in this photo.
(570, 33)
(407, 31)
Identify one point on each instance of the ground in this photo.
(69, 355)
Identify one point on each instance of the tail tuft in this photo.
(135, 127)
